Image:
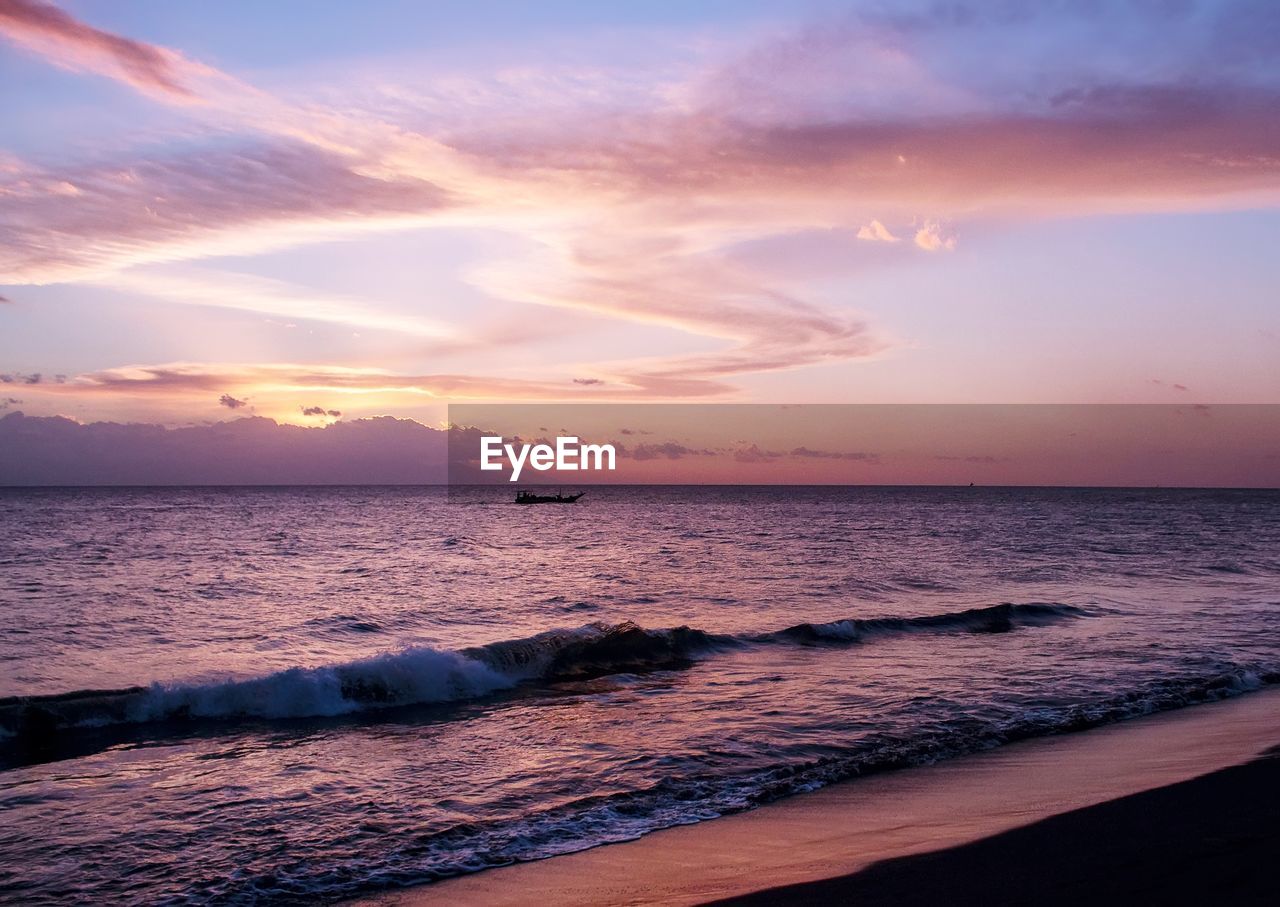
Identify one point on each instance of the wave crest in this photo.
(993, 619)
(422, 675)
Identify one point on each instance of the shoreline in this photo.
(829, 836)
(1213, 839)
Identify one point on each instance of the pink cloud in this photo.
(67, 41)
(1138, 148)
(635, 206)
(155, 208)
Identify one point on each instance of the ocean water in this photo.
(275, 695)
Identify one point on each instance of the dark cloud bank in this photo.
(252, 451)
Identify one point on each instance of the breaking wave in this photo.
(423, 676)
(995, 619)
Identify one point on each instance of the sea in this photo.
(300, 695)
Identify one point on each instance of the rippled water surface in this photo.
(242, 695)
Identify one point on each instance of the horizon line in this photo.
(445, 485)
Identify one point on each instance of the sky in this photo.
(323, 212)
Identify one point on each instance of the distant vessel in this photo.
(528, 497)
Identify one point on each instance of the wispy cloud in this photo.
(277, 298)
(171, 207)
(876, 232)
(665, 281)
(195, 380)
(66, 41)
(632, 208)
(811, 454)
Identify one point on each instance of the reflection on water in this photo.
(345, 689)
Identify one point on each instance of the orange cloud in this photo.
(876, 232)
(931, 238)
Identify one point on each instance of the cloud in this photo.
(754, 454)
(876, 232)
(68, 42)
(31, 378)
(668, 450)
(4, 300)
(587, 381)
(931, 238)
(231, 402)
(649, 279)
(250, 451)
(1110, 148)
(194, 380)
(807, 453)
(841, 125)
(245, 292)
(179, 206)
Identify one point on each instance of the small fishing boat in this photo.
(529, 497)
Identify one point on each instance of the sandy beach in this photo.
(1164, 807)
(1213, 839)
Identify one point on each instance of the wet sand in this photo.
(826, 841)
(1212, 840)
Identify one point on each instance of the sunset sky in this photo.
(330, 211)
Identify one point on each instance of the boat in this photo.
(529, 497)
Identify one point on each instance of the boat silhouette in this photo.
(529, 497)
